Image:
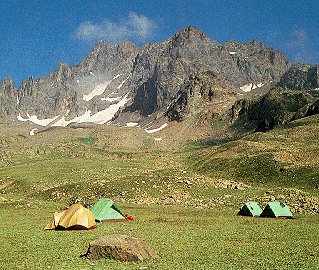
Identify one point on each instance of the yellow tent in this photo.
(54, 222)
(76, 217)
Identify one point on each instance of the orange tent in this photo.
(76, 217)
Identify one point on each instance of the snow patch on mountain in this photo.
(121, 84)
(150, 131)
(99, 89)
(111, 99)
(250, 86)
(32, 132)
(246, 87)
(34, 119)
(100, 117)
(131, 124)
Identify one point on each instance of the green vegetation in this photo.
(286, 156)
(90, 141)
(193, 191)
(202, 239)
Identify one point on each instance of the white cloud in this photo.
(134, 28)
(301, 46)
(298, 38)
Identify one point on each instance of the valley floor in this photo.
(185, 238)
(184, 199)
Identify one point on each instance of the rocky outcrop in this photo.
(121, 248)
(277, 107)
(300, 77)
(199, 90)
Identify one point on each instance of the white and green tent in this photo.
(276, 209)
(106, 210)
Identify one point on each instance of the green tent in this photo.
(250, 209)
(276, 209)
(106, 210)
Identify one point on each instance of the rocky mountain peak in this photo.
(153, 76)
(108, 58)
(26, 87)
(63, 72)
(7, 81)
(8, 95)
(188, 33)
(256, 43)
(7, 85)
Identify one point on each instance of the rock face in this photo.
(161, 69)
(300, 77)
(121, 248)
(151, 76)
(8, 97)
(277, 107)
(200, 91)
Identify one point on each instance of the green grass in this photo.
(87, 140)
(286, 156)
(184, 238)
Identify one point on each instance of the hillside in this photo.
(129, 165)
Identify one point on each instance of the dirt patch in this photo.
(4, 185)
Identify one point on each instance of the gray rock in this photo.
(300, 77)
(277, 107)
(121, 248)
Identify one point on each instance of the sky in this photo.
(35, 35)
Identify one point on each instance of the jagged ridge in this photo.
(155, 74)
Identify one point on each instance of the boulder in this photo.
(121, 248)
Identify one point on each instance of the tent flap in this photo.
(250, 209)
(106, 210)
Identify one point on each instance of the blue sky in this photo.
(37, 34)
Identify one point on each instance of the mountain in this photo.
(127, 83)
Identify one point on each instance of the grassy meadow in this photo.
(184, 196)
(185, 239)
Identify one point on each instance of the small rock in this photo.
(187, 182)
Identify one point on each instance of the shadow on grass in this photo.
(214, 141)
